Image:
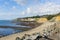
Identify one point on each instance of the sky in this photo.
(11, 9)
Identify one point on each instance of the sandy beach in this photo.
(33, 31)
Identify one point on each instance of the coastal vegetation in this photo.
(36, 20)
(48, 17)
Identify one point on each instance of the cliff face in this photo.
(42, 20)
(33, 18)
(49, 29)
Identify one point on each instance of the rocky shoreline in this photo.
(35, 36)
(15, 28)
(18, 28)
(47, 31)
(29, 24)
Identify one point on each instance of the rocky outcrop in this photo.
(46, 31)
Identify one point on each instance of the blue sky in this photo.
(11, 9)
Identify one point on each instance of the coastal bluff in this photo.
(50, 29)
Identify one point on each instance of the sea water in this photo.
(8, 31)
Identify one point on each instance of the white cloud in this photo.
(9, 16)
(14, 8)
(21, 2)
(28, 10)
(23, 13)
(47, 8)
(26, 2)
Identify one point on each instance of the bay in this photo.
(8, 31)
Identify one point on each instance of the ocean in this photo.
(8, 31)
